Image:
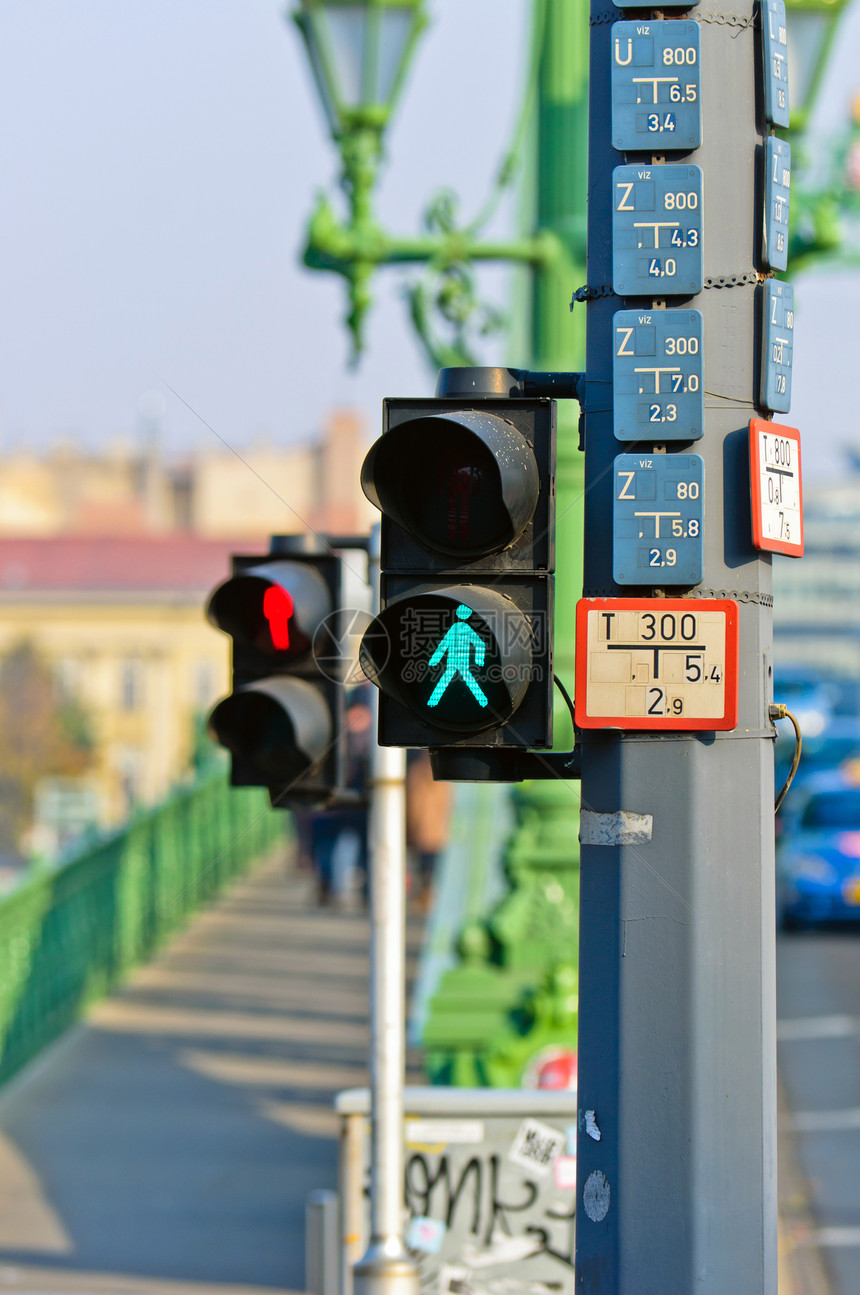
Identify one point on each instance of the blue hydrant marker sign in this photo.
(656, 94)
(658, 515)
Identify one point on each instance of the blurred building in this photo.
(134, 489)
(105, 564)
(121, 622)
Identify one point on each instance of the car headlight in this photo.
(809, 867)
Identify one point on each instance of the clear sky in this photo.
(158, 165)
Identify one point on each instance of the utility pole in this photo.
(677, 1138)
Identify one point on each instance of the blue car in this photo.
(818, 854)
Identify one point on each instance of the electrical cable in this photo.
(566, 695)
(775, 712)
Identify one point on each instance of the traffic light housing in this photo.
(461, 648)
(284, 718)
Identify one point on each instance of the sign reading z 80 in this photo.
(658, 519)
(656, 99)
(657, 231)
(777, 345)
(656, 663)
(657, 382)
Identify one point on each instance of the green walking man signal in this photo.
(457, 644)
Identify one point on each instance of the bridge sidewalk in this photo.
(168, 1144)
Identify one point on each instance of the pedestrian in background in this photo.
(339, 836)
(428, 815)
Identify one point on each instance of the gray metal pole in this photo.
(677, 1141)
(385, 1268)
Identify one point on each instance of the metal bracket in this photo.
(491, 383)
(505, 764)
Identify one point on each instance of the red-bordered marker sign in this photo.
(657, 663)
(777, 493)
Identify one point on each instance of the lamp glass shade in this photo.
(347, 29)
(394, 37)
(359, 50)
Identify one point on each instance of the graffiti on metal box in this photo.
(503, 1221)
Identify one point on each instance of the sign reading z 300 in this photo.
(657, 380)
(657, 231)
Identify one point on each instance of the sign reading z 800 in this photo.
(656, 663)
(657, 231)
(656, 99)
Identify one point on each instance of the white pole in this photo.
(385, 1268)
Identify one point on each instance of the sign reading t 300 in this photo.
(657, 663)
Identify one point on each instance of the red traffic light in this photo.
(278, 607)
(275, 607)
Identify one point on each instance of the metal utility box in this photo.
(490, 1187)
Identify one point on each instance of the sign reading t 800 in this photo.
(649, 663)
(657, 231)
(657, 386)
(777, 494)
(656, 100)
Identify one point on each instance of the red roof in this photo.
(124, 563)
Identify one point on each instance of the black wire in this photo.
(798, 742)
(566, 695)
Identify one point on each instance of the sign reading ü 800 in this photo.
(655, 86)
(657, 231)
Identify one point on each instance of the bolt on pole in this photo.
(386, 1268)
(677, 1069)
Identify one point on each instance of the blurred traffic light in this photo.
(284, 718)
(462, 646)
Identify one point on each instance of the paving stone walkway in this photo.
(168, 1144)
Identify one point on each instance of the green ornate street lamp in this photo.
(811, 28)
(816, 228)
(359, 52)
(481, 1012)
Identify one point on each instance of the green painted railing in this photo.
(69, 935)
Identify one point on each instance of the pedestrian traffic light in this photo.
(283, 719)
(461, 648)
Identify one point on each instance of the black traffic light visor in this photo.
(278, 608)
(281, 726)
(460, 659)
(464, 483)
